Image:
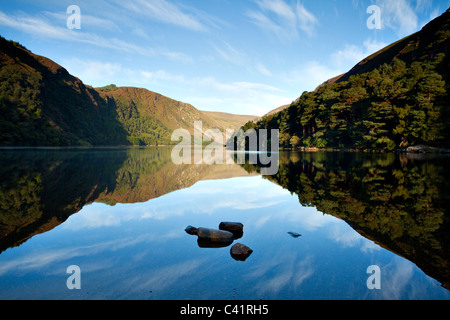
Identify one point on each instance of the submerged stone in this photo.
(240, 252)
(191, 230)
(294, 234)
(206, 243)
(213, 235)
(236, 228)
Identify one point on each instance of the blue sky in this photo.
(237, 56)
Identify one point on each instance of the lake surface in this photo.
(315, 228)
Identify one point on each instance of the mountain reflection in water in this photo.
(400, 202)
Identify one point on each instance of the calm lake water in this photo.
(120, 216)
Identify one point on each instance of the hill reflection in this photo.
(40, 189)
(401, 202)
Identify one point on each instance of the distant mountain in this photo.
(395, 98)
(228, 120)
(420, 46)
(41, 104)
(276, 110)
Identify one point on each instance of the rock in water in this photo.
(213, 235)
(294, 234)
(240, 252)
(236, 228)
(191, 230)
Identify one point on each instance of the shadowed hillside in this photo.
(41, 104)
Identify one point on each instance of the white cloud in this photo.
(283, 20)
(313, 73)
(230, 54)
(38, 26)
(87, 21)
(279, 7)
(291, 272)
(310, 75)
(166, 12)
(348, 57)
(307, 21)
(263, 70)
(399, 16)
(234, 97)
(93, 71)
(237, 57)
(51, 256)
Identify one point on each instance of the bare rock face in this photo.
(240, 252)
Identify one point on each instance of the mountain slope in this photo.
(393, 99)
(420, 46)
(228, 120)
(41, 104)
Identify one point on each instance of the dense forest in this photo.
(398, 98)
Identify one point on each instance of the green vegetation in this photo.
(41, 104)
(111, 87)
(390, 107)
(395, 98)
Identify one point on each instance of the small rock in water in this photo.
(236, 228)
(214, 235)
(191, 230)
(294, 234)
(240, 252)
(212, 238)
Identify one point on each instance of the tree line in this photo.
(394, 106)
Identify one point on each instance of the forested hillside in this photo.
(41, 104)
(395, 98)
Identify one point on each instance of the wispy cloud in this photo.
(39, 26)
(306, 20)
(312, 73)
(283, 20)
(290, 273)
(262, 69)
(166, 12)
(237, 57)
(89, 22)
(399, 15)
(350, 55)
(230, 54)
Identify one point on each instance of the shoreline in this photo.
(412, 149)
(419, 149)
